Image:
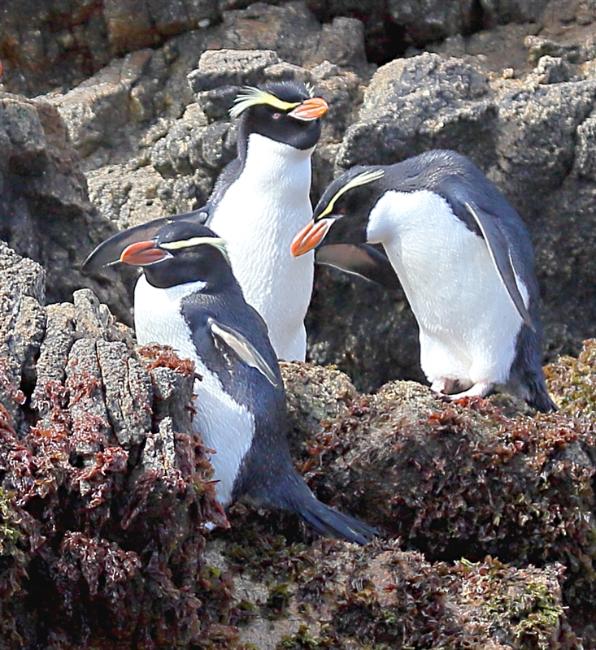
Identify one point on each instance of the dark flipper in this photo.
(362, 260)
(500, 253)
(108, 252)
(296, 497)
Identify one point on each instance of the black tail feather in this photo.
(325, 520)
(331, 523)
(539, 398)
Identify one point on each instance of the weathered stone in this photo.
(430, 471)
(338, 595)
(82, 509)
(43, 198)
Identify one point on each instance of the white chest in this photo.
(225, 426)
(449, 279)
(258, 217)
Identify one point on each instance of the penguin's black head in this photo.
(284, 111)
(182, 252)
(352, 196)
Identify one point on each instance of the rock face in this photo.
(46, 214)
(103, 492)
(153, 133)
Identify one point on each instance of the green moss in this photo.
(302, 640)
(278, 598)
(572, 381)
(9, 531)
(531, 615)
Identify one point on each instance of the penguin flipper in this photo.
(109, 251)
(500, 253)
(363, 260)
(242, 348)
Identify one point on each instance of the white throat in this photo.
(258, 217)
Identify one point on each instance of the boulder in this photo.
(431, 472)
(104, 490)
(46, 214)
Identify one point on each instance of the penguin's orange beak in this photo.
(310, 109)
(143, 253)
(310, 236)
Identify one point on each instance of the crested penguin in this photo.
(258, 202)
(188, 298)
(464, 259)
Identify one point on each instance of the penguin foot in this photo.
(481, 389)
(444, 385)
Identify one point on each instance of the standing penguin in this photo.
(259, 201)
(189, 299)
(464, 259)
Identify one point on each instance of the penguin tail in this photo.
(324, 519)
(539, 398)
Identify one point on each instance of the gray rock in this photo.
(128, 393)
(43, 197)
(58, 339)
(585, 159)
(231, 67)
(431, 20)
(21, 324)
(505, 11)
(90, 451)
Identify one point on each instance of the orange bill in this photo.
(310, 109)
(310, 236)
(143, 253)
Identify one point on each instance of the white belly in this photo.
(259, 233)
(468, 324)
(224, 425)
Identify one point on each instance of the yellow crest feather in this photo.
(364, 178)
(250, 96)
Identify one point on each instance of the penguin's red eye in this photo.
(276, 116)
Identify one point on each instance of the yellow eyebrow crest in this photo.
(364, 178)
(217, 242)
(250, 96)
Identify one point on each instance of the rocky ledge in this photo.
(105, 493)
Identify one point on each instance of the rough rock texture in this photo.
(103, 493)
(334, 595)
(103, 490)
(532, 140)
(432, 472)
(518, 98)
(46, 214)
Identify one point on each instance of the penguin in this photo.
(188, 298)
(464, 259)
(258, 202)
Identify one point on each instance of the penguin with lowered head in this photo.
(188, 298)
(464, 259)
(259, 201)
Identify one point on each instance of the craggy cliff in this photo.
(115, 112)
